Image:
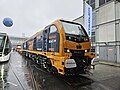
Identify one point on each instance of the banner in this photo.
(88, 18)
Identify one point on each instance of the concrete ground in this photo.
(23, 74)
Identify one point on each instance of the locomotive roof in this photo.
(32, 37)
(70, 21)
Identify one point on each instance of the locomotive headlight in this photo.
(68, 50)
(85, 50)
(86, 39)
(70, 63)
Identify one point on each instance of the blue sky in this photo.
(31, 15)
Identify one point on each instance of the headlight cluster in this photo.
(86, 39)
(66, 50)
(87, 50)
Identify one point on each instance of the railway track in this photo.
(76, 81)
(71, 81)
(16, 76)
(33, 82)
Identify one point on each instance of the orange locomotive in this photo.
(62, 47)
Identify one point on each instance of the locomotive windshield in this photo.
(72, 28)
(74, 32)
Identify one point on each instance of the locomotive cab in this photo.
(70, 47)
(77, 46)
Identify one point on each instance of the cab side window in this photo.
(53, 39)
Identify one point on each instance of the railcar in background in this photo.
(5, 47)
(62, 47)
(18, 48)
